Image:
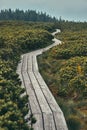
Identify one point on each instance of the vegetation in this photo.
(28, 15)
(65, 65)
(66, 73)
(17, 38)
(70, 25)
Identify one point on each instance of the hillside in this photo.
(64, 69)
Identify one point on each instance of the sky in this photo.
(68, 9)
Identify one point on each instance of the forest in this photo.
(28, 15)
(17, 38)
(64, 68)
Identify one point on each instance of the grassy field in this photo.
(64, 69)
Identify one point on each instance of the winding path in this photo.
(41, 102)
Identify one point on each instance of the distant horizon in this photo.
(62, 18)
(68, 10)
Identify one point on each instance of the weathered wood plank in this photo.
(49, 122)
(30, 62)
(34, 63)
(39, 124)
(44, 106)
(24, 66)
(32, 98)
(60, 121)
(57, 31)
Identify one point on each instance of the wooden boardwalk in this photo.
(41, 102)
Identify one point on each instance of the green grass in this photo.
(64, 69)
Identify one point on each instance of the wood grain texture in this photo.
(41, 101)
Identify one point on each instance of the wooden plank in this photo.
(49, 122)
(51, 100)
(29, 89)
(30, 63)
(40, 79)
(39, 124)
(37, 52)
(54, 106)
(34, 105)
(60, 121)
(52, 103)
(44, 106)
(32, 98)
(57, 31)
(35, 65)
(28, 84)
(24, 66)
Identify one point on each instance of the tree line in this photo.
(28, 15)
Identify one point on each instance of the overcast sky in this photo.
(67, 9)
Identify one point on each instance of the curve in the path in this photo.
(41, 102)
